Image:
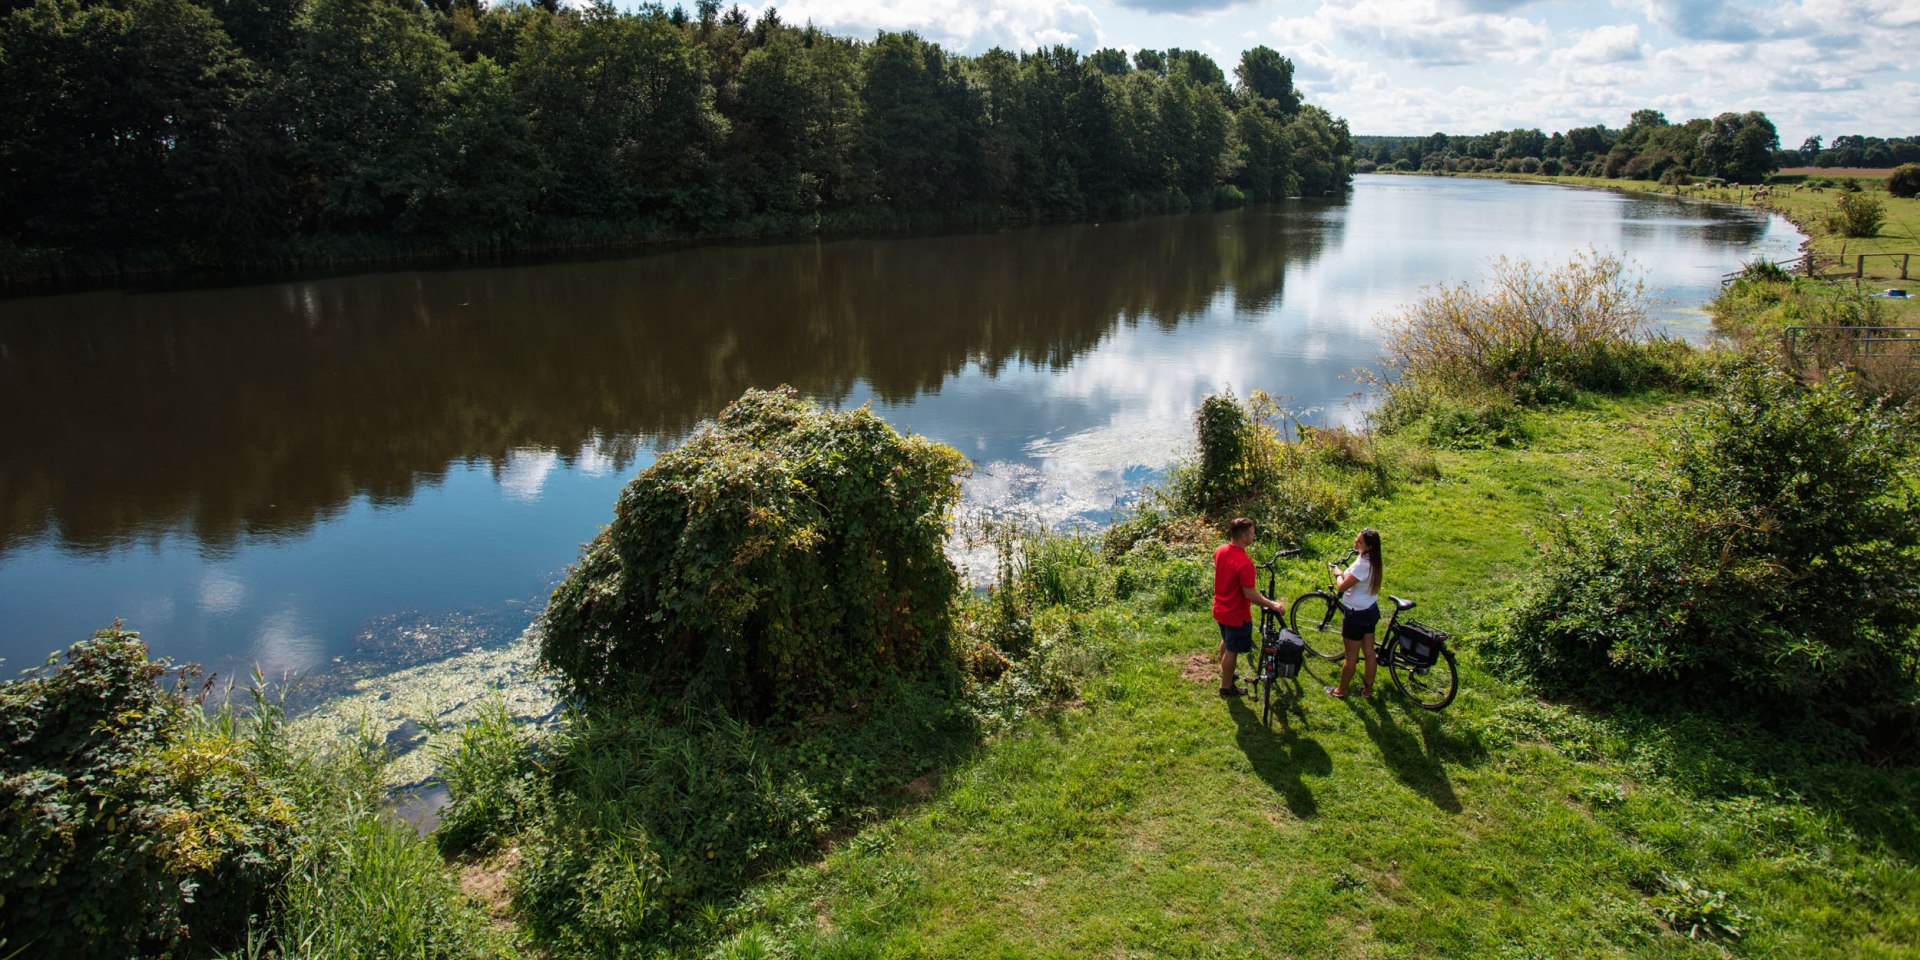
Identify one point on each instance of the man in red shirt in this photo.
(1234, 593)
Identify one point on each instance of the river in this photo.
(383, 468)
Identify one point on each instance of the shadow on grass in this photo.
(1416, 746)
(652, 817)
(1279, 754)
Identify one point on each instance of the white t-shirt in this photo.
(1360, 596)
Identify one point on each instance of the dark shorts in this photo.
(1238, 639)
(1356, 624)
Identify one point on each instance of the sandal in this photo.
(1335, 693)
(1232, 692)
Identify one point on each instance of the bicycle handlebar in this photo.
(1276, 558)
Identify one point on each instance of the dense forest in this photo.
(1738, 147)
(156, 134)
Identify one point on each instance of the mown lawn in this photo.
(1150, 819)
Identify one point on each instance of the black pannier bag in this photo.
(1420, 644)
(1288, 652)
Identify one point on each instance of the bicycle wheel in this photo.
(1316, 618)
(1430, 687)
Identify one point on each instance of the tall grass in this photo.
(1532, 332)
(361, 882)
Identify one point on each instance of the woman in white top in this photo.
(1359, 597)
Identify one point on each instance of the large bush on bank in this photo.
(1771, 558)
(786, 560)
(127, 828)
(1534, 333)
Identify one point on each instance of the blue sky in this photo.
(1815, 67)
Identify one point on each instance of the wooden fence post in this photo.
(1860, 267)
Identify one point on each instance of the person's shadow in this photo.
(1279, 754)
(1417, 761)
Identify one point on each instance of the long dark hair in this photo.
(1372, 539)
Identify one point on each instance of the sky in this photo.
(1408, 67)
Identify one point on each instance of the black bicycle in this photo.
(1282, 652)
(1416, 656)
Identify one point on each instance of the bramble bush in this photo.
(787, 561)
(127, 827)
(1770, 560)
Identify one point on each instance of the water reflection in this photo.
(258, 412)
(397, 466)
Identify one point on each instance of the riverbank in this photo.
(1147, 816)
(1807, 202)
(1153, 818)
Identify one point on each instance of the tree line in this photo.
(1852, 150)
(1738, 147)
(233, 132)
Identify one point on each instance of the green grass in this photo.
(1152, 819)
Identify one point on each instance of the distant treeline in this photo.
(166, 133)
(1852, 150)
(1738, 147)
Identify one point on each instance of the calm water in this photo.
(381, 468)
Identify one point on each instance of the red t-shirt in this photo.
(1232, 571)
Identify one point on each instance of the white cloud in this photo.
(1611, 43)
(959, 27)
(1429, 33)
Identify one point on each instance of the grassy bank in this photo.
(1150, 818)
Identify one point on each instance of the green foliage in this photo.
(366, 886)
(1770, 559)
(127, 826)
(786, 561)
(493, 783)
(1699, 913)
(155, 134)
(1857, 214)
(1904, 181)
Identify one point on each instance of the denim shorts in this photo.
(1238, 639)
(1356, 624)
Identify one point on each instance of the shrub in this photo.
(1904, 181)
(1530, 332)
(1771, 560)
(1858, 215)
(788, 560)
(1239, 458)
(1551, 167)
(127, 826)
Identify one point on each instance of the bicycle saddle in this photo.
(1401, 604)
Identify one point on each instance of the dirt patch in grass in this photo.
(1202, 667)
(486, 881)
(920, 788)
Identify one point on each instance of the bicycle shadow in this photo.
(1280, 754)
(1420, 761)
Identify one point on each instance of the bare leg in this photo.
(1227, 660)
(1366, 648)
(1346, 666)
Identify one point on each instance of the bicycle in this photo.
(1281, 650)
(1416, 656)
